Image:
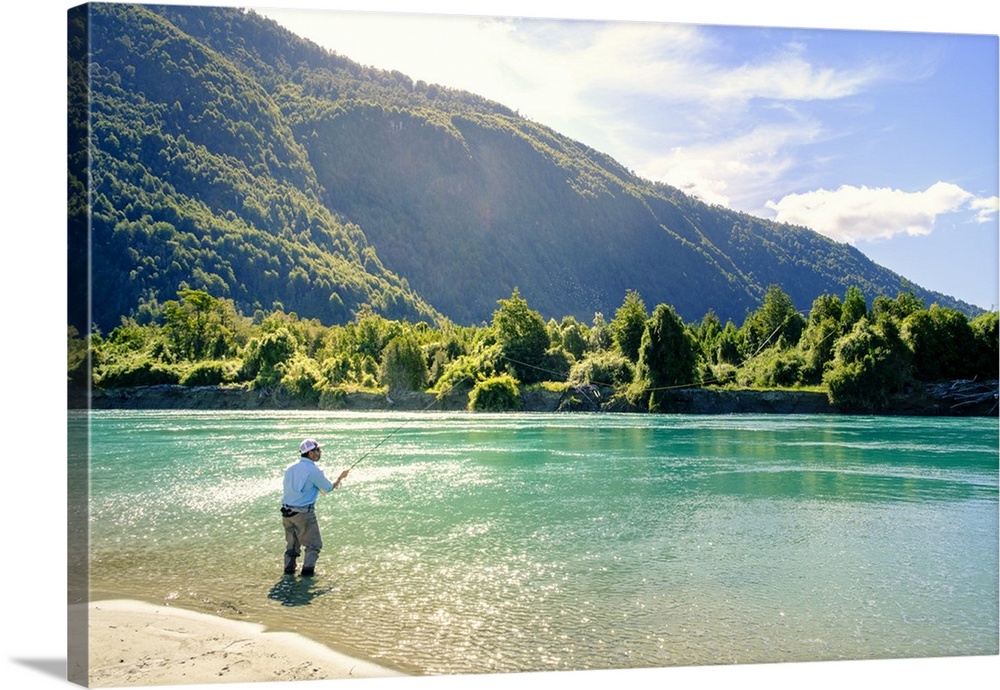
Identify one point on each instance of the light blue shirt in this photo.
(303, 482)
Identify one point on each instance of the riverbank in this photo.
(952, 398)
(133, 643)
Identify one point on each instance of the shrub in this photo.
(211, 373)
(137, 372)
(722, 374)
(495, 394)
(302, 378)
(609, 368)
(774, 368)
(555, 365)
(469, 369)
(332, 398)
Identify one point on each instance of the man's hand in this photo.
(341, 478)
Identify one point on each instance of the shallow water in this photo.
(523, 542)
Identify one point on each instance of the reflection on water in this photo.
(489, 543)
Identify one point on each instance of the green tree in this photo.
(265, 356)
(820, 337)
(943, 343)
(600, 336)
(825, 308)
(573, 336)
(629, 324)
(77, 358)
(522, 336)
(906, 303)
(775, 323)
(301, 376)
(707, 334)
(731, 345)
(403, 366)
(556, 364)
(439, 354)
(870, 364)
(854, 308)
(666, 357)
(350, 370)
(200, 326)
(984, 328)
(370, 333)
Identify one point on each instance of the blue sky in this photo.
(880, 134)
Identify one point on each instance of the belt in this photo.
(300, 509)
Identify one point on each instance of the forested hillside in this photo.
(197, 180)
(227, 155)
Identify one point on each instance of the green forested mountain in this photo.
(228, 155)
(197, 179)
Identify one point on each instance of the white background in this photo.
(33, 341)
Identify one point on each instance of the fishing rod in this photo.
(400, 427)
(376, 446)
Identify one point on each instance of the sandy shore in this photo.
(135, 643)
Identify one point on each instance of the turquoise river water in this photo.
(474, 543)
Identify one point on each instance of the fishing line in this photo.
(768, 339)
(614, 386)
(400, 427)
(701, 384)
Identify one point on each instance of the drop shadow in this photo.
(50, 667)
(296, 591)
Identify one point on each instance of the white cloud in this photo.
(786, 78)
(680, 63)
(986, 209)
(850, 214)
(735, 171)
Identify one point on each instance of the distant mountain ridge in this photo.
(230, 155)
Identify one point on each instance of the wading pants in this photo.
(302, 532)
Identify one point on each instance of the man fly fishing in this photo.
(303, 482)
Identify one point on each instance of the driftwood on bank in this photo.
(966, 395)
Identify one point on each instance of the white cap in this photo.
(307, 446)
